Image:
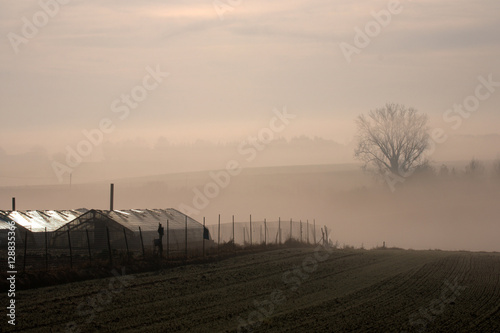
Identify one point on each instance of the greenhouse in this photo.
(82, 228)
(131, 228)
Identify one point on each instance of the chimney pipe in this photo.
(13, 203)
(111, 198)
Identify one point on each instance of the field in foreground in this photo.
(293, 289)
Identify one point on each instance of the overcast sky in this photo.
(229, 67)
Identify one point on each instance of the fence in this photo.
(267, 232)
(47, 251)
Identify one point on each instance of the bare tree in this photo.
(392, 139)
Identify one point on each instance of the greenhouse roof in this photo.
(148, 219)
(38, 220)
(132, 219)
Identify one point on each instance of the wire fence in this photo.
(109, 244)
(267, 232)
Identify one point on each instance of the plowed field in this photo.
(285, 290)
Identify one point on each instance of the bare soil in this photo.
(283, 290)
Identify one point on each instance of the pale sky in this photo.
(227, 74)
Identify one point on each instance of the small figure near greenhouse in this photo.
(160, 234)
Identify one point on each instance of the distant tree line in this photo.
(473, 169)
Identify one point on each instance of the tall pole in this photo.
(218, 235)
(111, 196)
(290, 229)
(234, 243)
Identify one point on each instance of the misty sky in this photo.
(228, 72)
(232, 65)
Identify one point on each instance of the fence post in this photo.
(70, 250)
(203, 250)
(260, 235)
(326, 234)
(314, 230)
(218, 235)
(234, 242)
(46, 251)
(25, 249)
(251, 230)
(126, 243)
(307, 232)
(279, 228)
(186, 235)
(300, 227)
(265, 232)
(109, 247)
(88, 244)
(168, 242)
(142, 243)
(290, 229)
